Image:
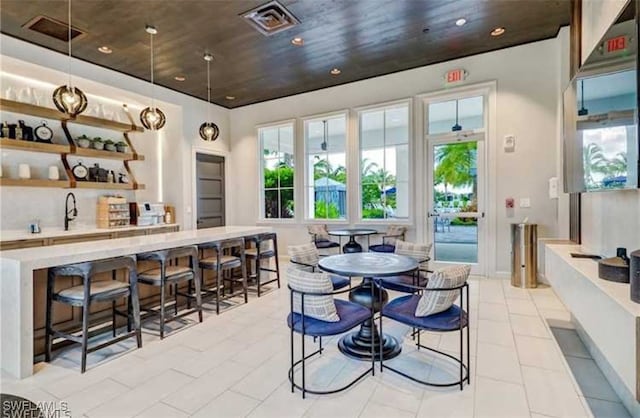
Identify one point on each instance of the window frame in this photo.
(260, 153)
(411, 146)
(305, 180)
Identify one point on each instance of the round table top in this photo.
(368, 264)
(352, 232)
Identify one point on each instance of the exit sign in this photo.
(619, 43)
(455, 76)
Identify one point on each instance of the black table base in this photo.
(352, 246)
(357, 345)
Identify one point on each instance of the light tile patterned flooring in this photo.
(235, 365)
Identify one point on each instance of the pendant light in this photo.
(325, 135)
(209, 131)
(68, 99)
(152, 117)
(583, 110)
(456, 127)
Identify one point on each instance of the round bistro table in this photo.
(357, 344)
(352, 246)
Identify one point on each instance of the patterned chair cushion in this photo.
(319, 307)
(394, 230)
(439, 301)
(319, 231)
(419, 252)
(305, 254)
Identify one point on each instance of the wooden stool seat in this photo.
(226, 262)
(100, 291)
(172, 274)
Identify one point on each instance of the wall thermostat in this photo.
(509, 143)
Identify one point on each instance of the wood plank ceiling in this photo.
(364, 38)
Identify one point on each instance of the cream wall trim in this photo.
(194, 188)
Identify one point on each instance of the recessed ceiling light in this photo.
(461, 22)
(230, 97)
(297, 41)
(105, 49)
(498, 31)
(335, 71)
(179, 78)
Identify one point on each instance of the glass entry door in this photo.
(456, 201)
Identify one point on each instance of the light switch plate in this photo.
(525, 202)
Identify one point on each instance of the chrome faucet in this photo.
(73, 212)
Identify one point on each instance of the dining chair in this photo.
(320, 237)
(306, 257)
(393, 233)
(316, 313)
(407, 283)
(434, 310)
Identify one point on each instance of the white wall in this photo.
(167, 170)
(528, 84)
(609, 219)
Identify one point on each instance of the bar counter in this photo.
(17, 269)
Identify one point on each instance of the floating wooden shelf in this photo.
(6, 143)
(108, 186)
(34, 183)
(71, 148)
(95, 153)
(48, 113)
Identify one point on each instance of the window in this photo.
(456, 115)
(326, 172)
(276, 147)
(384, 162)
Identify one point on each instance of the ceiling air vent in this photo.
(270, 18)
(52, 27)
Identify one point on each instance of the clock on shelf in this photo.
(80, 171)
(43, 133)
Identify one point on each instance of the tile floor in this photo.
(235, 365)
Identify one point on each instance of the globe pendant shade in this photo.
(152, 118)
(70, 100)
(209, 131)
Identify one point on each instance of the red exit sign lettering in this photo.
(455, 76)
(618, 43)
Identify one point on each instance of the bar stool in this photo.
(90, 292)
(172, 275)
(229, 256)
(266, 247)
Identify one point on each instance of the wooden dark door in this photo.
(210, 190)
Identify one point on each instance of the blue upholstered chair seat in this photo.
(323, 244)
(403, 310)
(382, 248)
(403, 283)
(351, 314)
(339, 282)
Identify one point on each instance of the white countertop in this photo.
(16, 280)
(55, 232)
(619, 292)
(55, 255)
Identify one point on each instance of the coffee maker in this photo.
(145, 214)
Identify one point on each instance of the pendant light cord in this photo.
(209, 90)
(153, 102)
(69, 45)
